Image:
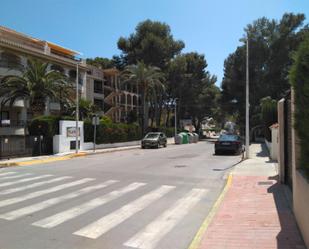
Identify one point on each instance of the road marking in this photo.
(71, 213)
(43, 192)
(149, 237)
(7, 173)
(101, 226)
(33, 185)
(15, 214)
(5, 184)
(16, 176)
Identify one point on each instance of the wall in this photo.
(61, 142)
(89, 146)
(301, 204)
(281, 140)
(274, 144)
(300, 185)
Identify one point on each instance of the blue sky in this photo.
(210, 27)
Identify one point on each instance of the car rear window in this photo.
(228, 137)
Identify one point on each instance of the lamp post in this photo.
(247, 101)
(176, 116)
(76, 110)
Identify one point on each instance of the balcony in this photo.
(13, 127)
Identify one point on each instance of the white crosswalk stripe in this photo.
(101, 226)
(32, 195)
(15, 214)
(33, 185)
(149, 237)
(5, 184)
(7, 173)
(71, 213)
(15, 176)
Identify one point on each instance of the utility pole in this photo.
(175, 117)
(247, 102)
(76, 111)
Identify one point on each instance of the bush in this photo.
(109, 132)
(299, 77)
(48, 126)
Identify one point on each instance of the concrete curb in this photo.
(67, 157)
(203, 228)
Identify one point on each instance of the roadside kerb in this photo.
(53, 158)
(198, 237)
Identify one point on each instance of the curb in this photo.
(203, 228)
(67, 157)
(46, 160)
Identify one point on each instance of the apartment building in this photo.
(15, 49)
(101, 87)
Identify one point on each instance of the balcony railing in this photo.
(13, 123)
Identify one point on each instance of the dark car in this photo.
(228, 143)
(154, 139)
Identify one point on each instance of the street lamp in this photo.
(175, 101)
(247, 100)
(76, 109)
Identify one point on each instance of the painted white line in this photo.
(16, 176)
(103, 225)
(71, 213)
(149, 237)
(7, 173)
(15, 214)
(5, 184)
(43, 192)
(33, 185)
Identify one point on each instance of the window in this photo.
(98, 86)
(99, 103)
(10, 60)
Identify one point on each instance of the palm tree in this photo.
(35, 85)
(86, 109)
(148, 80)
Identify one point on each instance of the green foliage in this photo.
(149, 80)
(299, 77)
(86, 109)
(48, 126)
(101, 62)
(151, 43)
(108, 132)
(193, 86)
(36, 85)
(271, 43)
(269, 115)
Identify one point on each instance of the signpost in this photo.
(95, 122)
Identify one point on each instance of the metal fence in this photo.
(22, 146)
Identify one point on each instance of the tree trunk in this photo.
(37, 107)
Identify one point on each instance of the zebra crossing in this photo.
(17, 189)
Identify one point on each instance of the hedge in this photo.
(109, 132)
(299, 77)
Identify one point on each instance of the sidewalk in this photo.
(256, 210)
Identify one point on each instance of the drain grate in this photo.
(265, 183)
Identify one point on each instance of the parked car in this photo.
(228, 143)
(154, 139)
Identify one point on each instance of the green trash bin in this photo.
(185, 137)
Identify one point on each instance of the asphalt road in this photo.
(154, 198)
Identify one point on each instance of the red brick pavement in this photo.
(254, 215)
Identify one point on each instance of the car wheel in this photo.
(216, 152)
